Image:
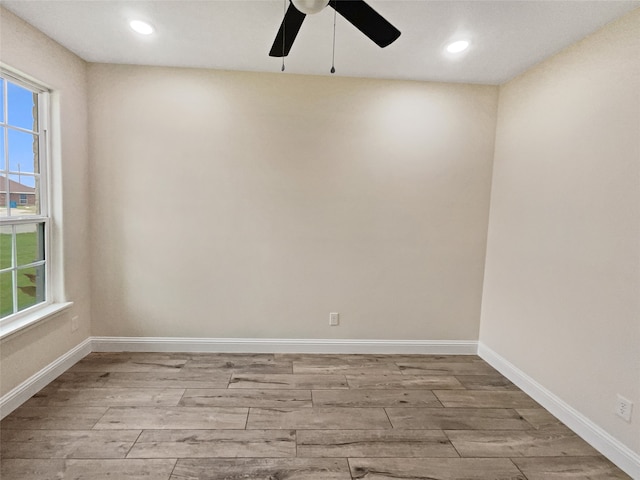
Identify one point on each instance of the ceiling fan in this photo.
(357, 12)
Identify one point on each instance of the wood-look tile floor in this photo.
(159, 416)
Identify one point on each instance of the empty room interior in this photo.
(219, 262)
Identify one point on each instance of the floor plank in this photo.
(293, 381)
(53, 418)
(401, 381)
(86, 469)
(529, 443)
(241, 363)
(426, 367)
(347, 368)
(214, 443)
(180, 378)
(374, 443)
(457, 419)
(540, 419)
(262, 469)
(247, 398)
(352, 358)
(318, 418)
(107, 397)
(374, 398)
(485, 399)
(485, 382)
(434, 469)
(129, 363)
(173, 418)
(569, 468)
(66, 443)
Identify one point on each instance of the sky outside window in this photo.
(19, 147)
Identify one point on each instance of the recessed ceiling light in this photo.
(141, 27)
(458, 46)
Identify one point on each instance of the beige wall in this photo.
(29, 51)
(562, 284)
(252, 205)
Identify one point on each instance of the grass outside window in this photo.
(29, 269)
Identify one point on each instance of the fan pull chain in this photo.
(284, 30)
(333, 54)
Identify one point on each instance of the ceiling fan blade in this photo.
(367, 20)
(287, 34)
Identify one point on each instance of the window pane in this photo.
(26, 185)
(30, 286)
(6, 247)
(22, 106)
(4, 197)
(29, 243)
(6, 294)
(3, 166)
(2, 100)
(23, 152)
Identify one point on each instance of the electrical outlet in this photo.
(74, 323)
(624, 408)
(334, 319)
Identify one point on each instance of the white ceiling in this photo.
(508, 36)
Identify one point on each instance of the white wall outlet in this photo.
(75, 323)
(334, 319)
(624, 408)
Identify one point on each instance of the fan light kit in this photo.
(458, 46)
(143, 28)
(309, 7)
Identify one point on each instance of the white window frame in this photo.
(29, 316)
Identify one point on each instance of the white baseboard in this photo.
(23, 392)
(613, 449)
(282, 345)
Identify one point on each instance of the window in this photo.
(24, 213)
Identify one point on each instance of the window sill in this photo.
(30, 319)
